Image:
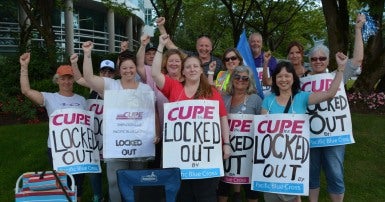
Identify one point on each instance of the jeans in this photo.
(331, 160)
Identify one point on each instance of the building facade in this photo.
(79, 21)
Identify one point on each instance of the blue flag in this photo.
(244, 49)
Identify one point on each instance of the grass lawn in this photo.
(23, 149)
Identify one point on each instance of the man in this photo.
(204, 47)
(256, 44)
(149, 54)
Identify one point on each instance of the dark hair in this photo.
(295, 43)
(205, 90)
(295, 88)
(240, 58)
(126, 55)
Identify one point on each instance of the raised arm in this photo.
(160, 23)
(156, 73)
(266, 80)
(34, 95)
(77, 75)
(318, 97)
(225, 132)
(95, 82)
(144, 40)
(358, 52)
(210, 73)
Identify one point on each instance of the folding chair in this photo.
(150, 185)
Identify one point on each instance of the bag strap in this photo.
(287, 106)
(61, 186)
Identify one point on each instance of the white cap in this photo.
(107, 64)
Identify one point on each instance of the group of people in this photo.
(176, 75)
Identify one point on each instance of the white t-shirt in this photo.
(112, 84)
(55, 101)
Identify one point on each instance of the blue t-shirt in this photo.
(258, 61)
(298, 104)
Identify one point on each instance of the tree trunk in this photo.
(337, 22)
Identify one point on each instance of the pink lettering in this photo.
(68, 119)
(244, 125)
(280, 126)
(191, 112)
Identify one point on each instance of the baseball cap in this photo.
(150, 46)
(64, 70)
(107, 64)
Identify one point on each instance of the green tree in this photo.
(373, 68)
(39, 13)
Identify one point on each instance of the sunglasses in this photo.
(320, 59)
(232, 58)
(241, 78)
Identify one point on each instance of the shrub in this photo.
(367, 102)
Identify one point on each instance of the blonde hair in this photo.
(250, 89)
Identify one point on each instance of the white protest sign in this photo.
(96, 106)
(281, 154)
(192, 138)
(266, 89)
(73, 143)
(129, 123)
(238, 167)
(330, 121)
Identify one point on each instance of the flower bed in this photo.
(372, 103)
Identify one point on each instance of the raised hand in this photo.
(87, 46)
(25, 59)
(74, 58)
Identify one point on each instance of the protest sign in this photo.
(330, 121)
(281, 154)
(266, 89)
(129, 122)
(192, 138)
(96, 106)
(238, 167)
(73, 142)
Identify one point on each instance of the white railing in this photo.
(9, 39)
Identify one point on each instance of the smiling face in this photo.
(127, 69)
(192, 69)
(284, 80)
(255, 42)
(319, 62)
(295, 56)
(174, 65)
(241, 82)
(231, 61)
(204, 47)
(65, 82)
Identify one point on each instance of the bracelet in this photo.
(159, 51)
(226, 143)
(210, 72)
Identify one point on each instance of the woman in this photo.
(240, 98)
(127, 70)
(194, 86)
(285, 88)
(171, 65)
(330, 159)
(295, 54)
(63, 99)
(231, 58)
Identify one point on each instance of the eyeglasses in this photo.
(241, 78)
(232, 58)
(320, 59)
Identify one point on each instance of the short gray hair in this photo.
(320, 47)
